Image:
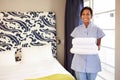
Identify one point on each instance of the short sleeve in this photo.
(74, 32)
(100, 33)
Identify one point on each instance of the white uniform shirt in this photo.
(87, 63)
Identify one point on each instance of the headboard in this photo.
(25, 29)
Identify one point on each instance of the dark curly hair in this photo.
(88, 8)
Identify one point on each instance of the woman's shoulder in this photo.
(80, 26)
(95, 26)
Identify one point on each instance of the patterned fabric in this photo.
(25, 29)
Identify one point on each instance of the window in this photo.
(104, 17)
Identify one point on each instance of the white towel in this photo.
(84, 46)
(83, 41)
(84, 51)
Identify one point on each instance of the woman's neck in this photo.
(86, 24)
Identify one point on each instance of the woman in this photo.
(86, 67)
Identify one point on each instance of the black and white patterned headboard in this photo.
(25, 29)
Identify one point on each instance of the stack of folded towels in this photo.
(84, 46)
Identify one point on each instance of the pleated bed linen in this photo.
(84, 46)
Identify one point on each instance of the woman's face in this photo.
(86, 16)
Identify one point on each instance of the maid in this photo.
(86, 67)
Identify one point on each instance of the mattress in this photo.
(32, 71)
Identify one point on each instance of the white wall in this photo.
(57, 6)
(117, 41)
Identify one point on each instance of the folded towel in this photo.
(84, 46)
(84, 51)
(83, 41)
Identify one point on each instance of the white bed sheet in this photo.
(24, 71)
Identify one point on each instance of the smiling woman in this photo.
(81, 63)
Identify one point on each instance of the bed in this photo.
(28, 47)
(31, 67)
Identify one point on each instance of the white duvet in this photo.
(24, 71)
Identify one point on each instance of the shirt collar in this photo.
(89, 25)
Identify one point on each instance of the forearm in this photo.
(99, 43)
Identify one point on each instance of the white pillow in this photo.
(35, 54)
(7, 58)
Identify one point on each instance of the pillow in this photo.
(35, 54)
(7, 58)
